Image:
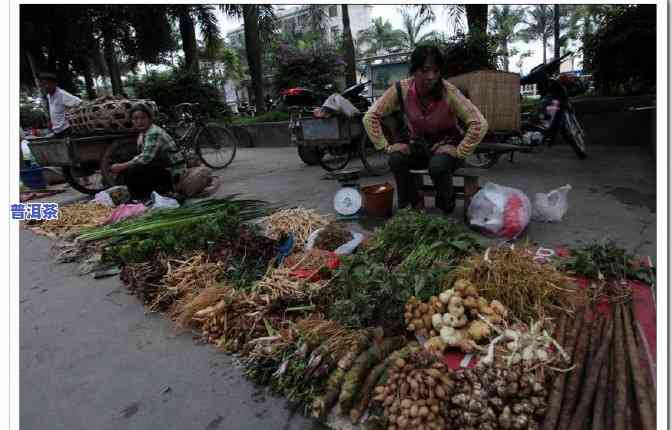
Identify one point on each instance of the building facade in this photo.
(297, 19)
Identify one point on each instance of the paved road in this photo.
(91, 358)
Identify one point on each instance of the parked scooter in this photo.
(554, 114)
(246, 109)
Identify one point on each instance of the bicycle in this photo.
(215, 146)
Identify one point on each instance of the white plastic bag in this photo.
(345, 249)
(161, 202)
(113, 196)
(340, 105)
(551, 207)
(102, 198)
(500, 211)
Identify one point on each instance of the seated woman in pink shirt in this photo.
(432, 107)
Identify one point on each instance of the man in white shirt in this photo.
(59, 99)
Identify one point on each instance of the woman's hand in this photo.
(399, 147)
(447, 149)
(116, 168)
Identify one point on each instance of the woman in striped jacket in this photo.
(432, 107)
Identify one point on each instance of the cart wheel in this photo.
(119, 151)
(86, 180)
(482, 160)
(375, 161)
(336, 157)
(310, 154)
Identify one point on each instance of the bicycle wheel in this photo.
(335, 157)
(573, 134)
(374, 160)
(216, 147)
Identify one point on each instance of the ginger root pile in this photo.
(457, 318)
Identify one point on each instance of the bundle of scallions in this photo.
(163, 220)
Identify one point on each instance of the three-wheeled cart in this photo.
(86, 160)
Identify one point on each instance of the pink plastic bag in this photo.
(123, 212)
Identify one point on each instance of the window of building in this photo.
(333, 11)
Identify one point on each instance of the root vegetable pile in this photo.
(494, 397)
(456, 318)
(529, 290)
(72, 219)
(416, 393)
(298, 221)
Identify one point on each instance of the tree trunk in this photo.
(188, 34)
(112, 65)
(477, 18)
(88, 79)
(544, 40)
(556, 30)
(349, 48)
(505, 47)
(253, 51)
(33, 70)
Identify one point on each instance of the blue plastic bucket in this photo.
(33, 178)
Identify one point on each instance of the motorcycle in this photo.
(246, 109)
(554, 115)
(302, 102)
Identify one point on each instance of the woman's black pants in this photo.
(441, 168)
(142, 180)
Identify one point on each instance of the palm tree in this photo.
(477, 17)
(503, 23)
(539, 21)
(348, 48)
(584, 19)
(413, 25)
(188, 16)
(556, 31)
(380, 37)
(258, 23)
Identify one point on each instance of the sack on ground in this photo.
(194, 181)
(552, 206)
(500, 211)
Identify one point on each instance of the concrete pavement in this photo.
(91, 357)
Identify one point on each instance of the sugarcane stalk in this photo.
(642, 401)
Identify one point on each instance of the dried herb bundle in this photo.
(528, 289)
(331, 237)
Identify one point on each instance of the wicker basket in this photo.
(109, 114)
(495, 94)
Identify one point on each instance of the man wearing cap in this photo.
(59, 99)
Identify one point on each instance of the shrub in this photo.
(307, 68)
(621, 54)
(168, 89)
(469, 53)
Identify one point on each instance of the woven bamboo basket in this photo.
(495, 94)
(106, 114)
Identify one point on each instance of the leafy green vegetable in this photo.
(606, 260)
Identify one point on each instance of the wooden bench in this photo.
(464, 191)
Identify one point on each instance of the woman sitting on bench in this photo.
(431, 107)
